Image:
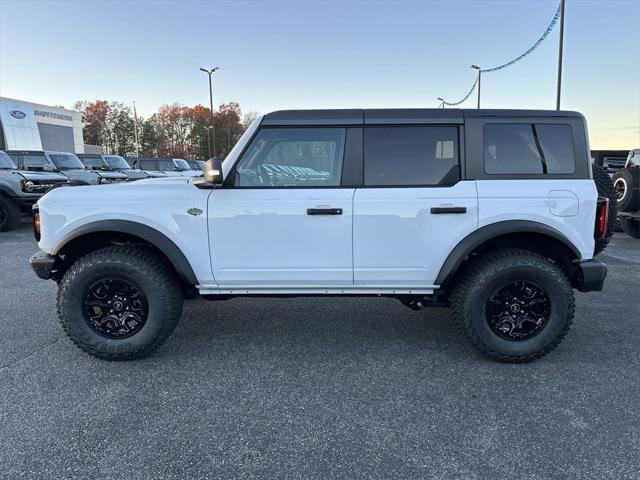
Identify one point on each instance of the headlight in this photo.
(105, 180)
(28, 186)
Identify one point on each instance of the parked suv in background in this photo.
(68, 164)
(20, 190)
(626, 183)
(172, 167)
(492, 212)
(111, 163)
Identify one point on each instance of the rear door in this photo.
(413, 208)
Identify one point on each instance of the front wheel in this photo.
(119, 303)
(514, 305)
(9, 215)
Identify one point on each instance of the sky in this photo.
(327, 54)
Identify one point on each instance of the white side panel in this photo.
(398, 241)
(265, 237)
(569, 206)
(64, 209)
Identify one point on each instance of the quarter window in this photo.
(423, 156)
(528, 149)
(292, 157)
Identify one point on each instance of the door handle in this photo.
(324, 211)
(437, 210)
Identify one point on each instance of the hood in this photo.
(134, 174)
(110, 174)
(37, 176)
(82, 176)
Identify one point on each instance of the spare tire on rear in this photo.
(604, 185)
(626, 183)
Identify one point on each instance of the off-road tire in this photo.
(9, 214)
(631, 227)
(604, 185)
(149, 272)
(630, 178)
(483, 275)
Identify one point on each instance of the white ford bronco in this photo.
(493, 212)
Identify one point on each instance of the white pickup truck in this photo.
(493, 212)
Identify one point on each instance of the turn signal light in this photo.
(36, 225)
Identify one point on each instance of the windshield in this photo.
(6, 162)
(117, 162)
(66, 161)
(181, 164)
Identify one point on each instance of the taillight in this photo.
(602, 216)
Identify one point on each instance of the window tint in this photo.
(6, 162)
(411, 156)
(293, 157)
(523, 148)
(66, 161)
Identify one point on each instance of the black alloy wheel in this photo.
(115, 308)
(518, 311)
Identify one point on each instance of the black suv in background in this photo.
(111, 163)
(20, 190)
(68, 164)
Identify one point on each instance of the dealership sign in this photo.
(17, 114)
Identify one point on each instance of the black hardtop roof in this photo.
(399, 116)
(31, 152)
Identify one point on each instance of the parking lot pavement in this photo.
(313, 388)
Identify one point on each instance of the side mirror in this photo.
(213, 171)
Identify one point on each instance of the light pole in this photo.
(476, 67)
(560, 47)
(213, 132)
(442, 100)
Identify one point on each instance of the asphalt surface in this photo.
(318, 388)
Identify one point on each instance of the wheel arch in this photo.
(96, 234)
(526, 234)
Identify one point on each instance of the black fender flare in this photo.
(149, 234)
(462, 250)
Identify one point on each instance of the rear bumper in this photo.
(591, 275)
(43, 265)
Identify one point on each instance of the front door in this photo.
(282, 218)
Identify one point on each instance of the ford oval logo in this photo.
(17, 114)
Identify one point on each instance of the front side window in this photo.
(411, 156)
(292, 157)
(66, 161)
(166, 165)
(527, 149)
(181, 164)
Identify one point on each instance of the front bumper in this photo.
(43, 265)
(590, 276)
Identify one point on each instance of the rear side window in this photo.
(411, 156)
(528, 149)
(148, 164)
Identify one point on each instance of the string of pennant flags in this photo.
(528, 52)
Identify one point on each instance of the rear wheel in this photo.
(514, 305)
(119, 303)
(9, 214)
(604, 185)
(631, 227)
